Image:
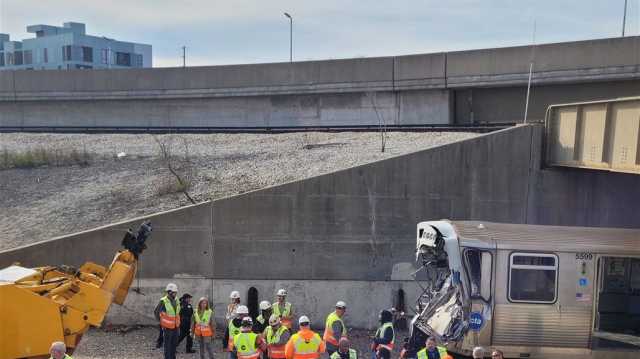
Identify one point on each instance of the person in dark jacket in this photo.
(262, 321)
(186, 312)
(385, 336)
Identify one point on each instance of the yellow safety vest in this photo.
(273, 337)
(285, 313)
(170, 318)
(442, 351)
(352, 354)
(380, 334)
(202, 323)
(329, 336)
(304, 349)
(245, 344)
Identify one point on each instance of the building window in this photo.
(45, 55)
(10, 58)
(123, 59)
(87, 54)
(28, 57)
(18, 58)
(104, 56)
(66, 53)
(533, 277)
(1, 58)
(137, 60)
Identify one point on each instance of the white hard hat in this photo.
(282, 292)
(242, 309)
(341, 304)
(246, 322)
(234, 295)
(274, 319)
(172, 287)
(304, 320)
(264, 305)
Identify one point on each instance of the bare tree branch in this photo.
(165, 152)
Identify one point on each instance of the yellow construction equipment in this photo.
(39, 306)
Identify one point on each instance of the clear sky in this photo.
(249, 31)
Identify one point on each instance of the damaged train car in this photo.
(531, 291)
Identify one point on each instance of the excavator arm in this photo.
(42, 305)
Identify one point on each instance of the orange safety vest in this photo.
(306, 349)
(275, 351)
(170, 317)
(329, 336)
(202, 327)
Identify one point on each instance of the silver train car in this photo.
(531, 291)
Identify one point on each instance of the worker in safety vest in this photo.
(432, 351)
(262, 321)
(168, 313)
(344, 350)
(58, 350)
(277, 336)
(305, 344)
(234, 327)
(234, 302)
(203, 327)
(247, 344)
(385, 337)
(334, 328)
(283, 309)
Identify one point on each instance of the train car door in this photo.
(617, 306)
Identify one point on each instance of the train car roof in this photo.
(549, 238)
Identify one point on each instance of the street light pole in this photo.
(290, 36)
(624, 17)
(184, 56)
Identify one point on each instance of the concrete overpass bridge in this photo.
(462, 87)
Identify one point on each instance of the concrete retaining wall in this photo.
(353, 108)
(350, 234)
(414, 89)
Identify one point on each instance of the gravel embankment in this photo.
(40, 203)
(140, 344)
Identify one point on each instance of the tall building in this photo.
(69, 47)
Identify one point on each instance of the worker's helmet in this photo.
(282, 293)
(242, 309)
(274, 319)
(234, 295)
(247, 322)
(265, 305)
(304, 320)
(386, 316)
(171, 287)
(341, 305)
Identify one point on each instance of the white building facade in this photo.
(69, 47)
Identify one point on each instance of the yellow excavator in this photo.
(39, 306)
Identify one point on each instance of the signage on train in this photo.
(476, 321)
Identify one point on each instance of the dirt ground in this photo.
(43, 202)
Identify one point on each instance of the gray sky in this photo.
(248, 31)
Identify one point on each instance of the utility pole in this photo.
(290, 36)
(533, 55)
(624, 17)
(184, 56)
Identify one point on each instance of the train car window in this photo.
(533, 277)
(479, 269)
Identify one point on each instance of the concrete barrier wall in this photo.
(571, 61)
(409, 107)
(413, 89)
(350, 234)
(506, 104)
